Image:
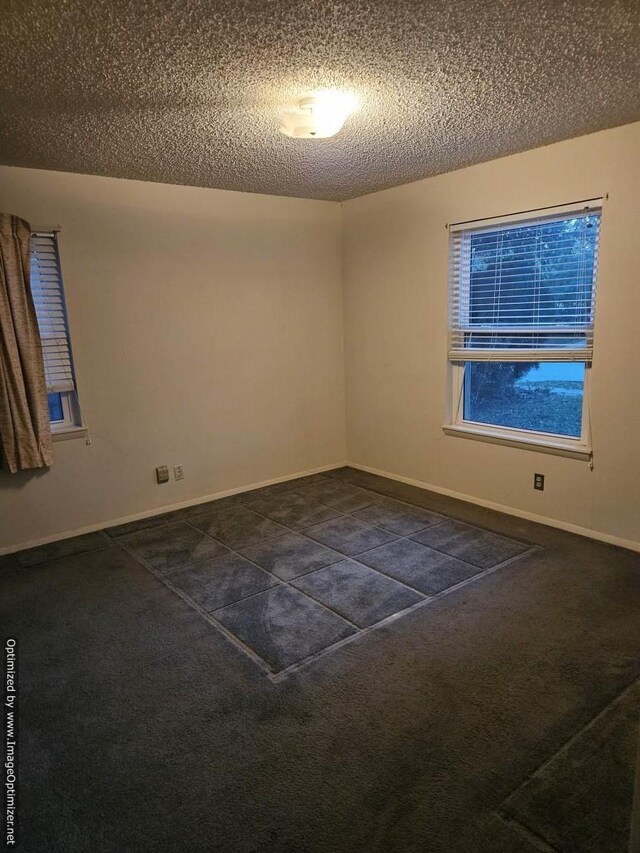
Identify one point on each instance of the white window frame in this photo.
(71, 420)
(545, 442)
(560, 445)
(71, 425)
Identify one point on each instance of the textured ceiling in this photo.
(189, 91)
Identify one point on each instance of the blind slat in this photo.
(524, 291)
(48, 298)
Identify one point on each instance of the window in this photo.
(522, 299)
(48, 298)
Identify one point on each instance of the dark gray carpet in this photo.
(144, 729)
(217, 554)
(595, 767)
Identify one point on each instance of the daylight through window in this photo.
(521, 322)
(48, 298)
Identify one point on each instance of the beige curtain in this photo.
(25, 434)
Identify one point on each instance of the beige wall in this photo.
(207, 332)
(395, 286)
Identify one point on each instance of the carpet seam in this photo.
(278, 675)
(331, 475)
(541, 843)
(619, 697)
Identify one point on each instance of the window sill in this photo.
(68, 433)
(569, 449)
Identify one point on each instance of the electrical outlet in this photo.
(162, 474)
(178, 472)
(538, 482)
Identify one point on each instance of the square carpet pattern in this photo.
(291, 571)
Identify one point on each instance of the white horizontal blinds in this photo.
(524, 290)
(48, 297)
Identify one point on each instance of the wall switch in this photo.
(162, 474)
(538, 482)
(178, 472)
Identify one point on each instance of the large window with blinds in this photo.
(48, 297)
(522, 308)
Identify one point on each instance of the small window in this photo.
(522, 301)
(48, 298)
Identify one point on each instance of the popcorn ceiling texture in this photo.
(189, 91)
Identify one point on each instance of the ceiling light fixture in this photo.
(318, 116)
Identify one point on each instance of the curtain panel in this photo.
(25, 432)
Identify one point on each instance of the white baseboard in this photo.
(159, 510)
(631, 544)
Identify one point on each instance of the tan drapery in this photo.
(25, 433)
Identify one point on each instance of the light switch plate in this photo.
(162, 474)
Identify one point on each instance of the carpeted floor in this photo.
(294, 571)
(497, 716)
